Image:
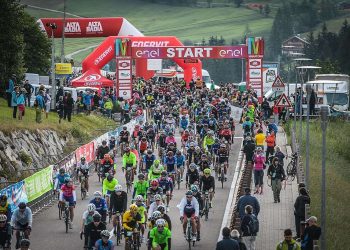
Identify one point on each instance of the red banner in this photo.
(201, 52)
(87, 151)
(82, 27)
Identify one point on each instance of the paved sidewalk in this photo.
(274, 218)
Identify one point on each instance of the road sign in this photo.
(283, 102)
(278, 85)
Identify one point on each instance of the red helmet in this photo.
(154, 183)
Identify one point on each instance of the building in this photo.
(294, 46)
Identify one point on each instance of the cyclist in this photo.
(100, 204)
(108, 186)
(131, 221)
(183, 122)
(148, 160)
(143, 212)
(223, 159)
(87, 219)
(171, 147)
(153, 190)
(198, 195)
(190, 153)
(155, 170)
(107, 165)
(112, 143)
(129, 161)
(124, 136)
(102, 150)
(166, 184)
(209, 141)
(160, 236)
(118, 202)
(5, 207)
(189, 210)
(83, 170)
(192, 176)
(170, 139)
(204, 163)
(161, 209)
(22, 220)
(5, 233)
(140, 187)
(247, 127)
(197, 155)
(226, 134)
(154, 217)
(104, 243)
(135, 134)
(161, 140)
(207, 184)
(94, 229)
(60, 178)
(154, 205)
(180, 163)
(151, 136)
(171, 164)
(68, 194)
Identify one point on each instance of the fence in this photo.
(37, 189)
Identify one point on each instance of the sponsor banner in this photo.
(87, 151)
(98, 141)
(124, 77)
(39, 183)
(214, 52)
(68, 163)
(255, 63)
(82, 27)
(15, 193)
(125, 93)
(255, 73)
(63, 68)
(270, 72)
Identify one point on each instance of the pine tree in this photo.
(267, 10)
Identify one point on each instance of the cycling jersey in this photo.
(143, 145)
(203, 165)
(152, 192)
(166, 184)
(21, 219)
(215, 148)
(141, 211)
(129, 159)
(148, 161)
(67, 191)
(170, 163)
(107, 165)
(160, 238)
(60, 180)
(130, 222)
(180, 160)
(118, 203)
(189, 208)
(222, 155)
(208, 141)
(94, 232)
(207, 183)
(100, 205)
(154, 172)
(101, 151)
(183, 123)
(140, 188)
(124, 136)
(5, 235)
(88, 217)
(170, 139)
(6, 210)
(108, 186)
(111, 144)
(192, 176)
(100, 245)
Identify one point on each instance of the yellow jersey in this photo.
(130, 222)
(260, 139)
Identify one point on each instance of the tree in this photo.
(11, 39)
(238, 3)
(267, 10)
(37, 47)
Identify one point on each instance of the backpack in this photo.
(253, 225)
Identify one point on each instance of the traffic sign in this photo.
(283, 102)
(278, 84)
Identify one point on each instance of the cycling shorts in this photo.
(69, 199)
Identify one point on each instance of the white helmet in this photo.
(3, 218)
(118, 188)
(105, 233)
(139, 198)
(156, 215)
(160, 222)
(91, 207)
(97, 194)
(157, 197)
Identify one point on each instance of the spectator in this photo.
(259, 166)
(9, 90)
(236, 236)
(245, 200)
(249, 228)
(47, 99)
(60, 108)
(313, 100)
(271, 127)
(80, 104)
(227, 243)
(312, 232)
(248, 149)
(299, 208)
(270, 142)
(266, 109)
(21, 103)
(15, 93)
(260, 139)
(275, 112)
(87, 98)
(68, 107)
(279, 155)
(277, 175)
(39, 105)
(108, 106)
(96, 99)
(29, 88)
(288, 242)
(282, 115)
(60, 92)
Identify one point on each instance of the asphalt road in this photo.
(49, 232)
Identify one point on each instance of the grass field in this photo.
(338, 179)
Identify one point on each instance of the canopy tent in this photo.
(92, 79)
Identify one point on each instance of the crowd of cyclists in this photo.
(155, 165)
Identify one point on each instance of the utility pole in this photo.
(64, 25)
(53, 26)
(307, 165)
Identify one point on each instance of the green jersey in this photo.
(159, 238)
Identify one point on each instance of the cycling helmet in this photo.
(194, 188)
(192, 144)
(105, 233)
(139, 198)
(207, 171)
(197, 148)
(125, 128)
(171, 144)
(160, 222)
(156, 215)
(133, 208)
(154, 183)
(247, 118)
(210, 132)
(104, 142)
(96, 217)
(3, 217)
(118, 188)
(171, 134)
(156, 162)
(189, 193)
(91, 207)
(143, 139)
(3, 197)
(109, 177)
(259, 149)
(164, 173)
(22, 205)
(97, 194)
(149, 152)
(62, 171)
(193, 166)
(141, 176)
(82, 158)
(157, 197)
(161, 208)
(66, 180)
(204, 156)
(24, 243)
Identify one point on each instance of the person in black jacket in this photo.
(299, 208)
(277, 175)
(236, 236)
(68, 107)
(227, 243)
(312, 232)
(249, 148)
(94, 229)
(247, 227)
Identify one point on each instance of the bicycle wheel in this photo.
(118, 232)
(206, 213)
(59, 211)
(189, 236)
(222, 177)
(66, 219)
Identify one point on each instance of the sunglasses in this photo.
(189, 196)
(160, 226)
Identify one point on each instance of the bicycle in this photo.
(133, 242)
(292, 167)
(178, 179)
(66, 214)
(206, 205)
(189, 239)
(83, 185)
(129, 178)
(118, 228)
(222, 174)
(21, 236)
(122, 147)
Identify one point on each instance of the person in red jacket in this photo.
(271, 142)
